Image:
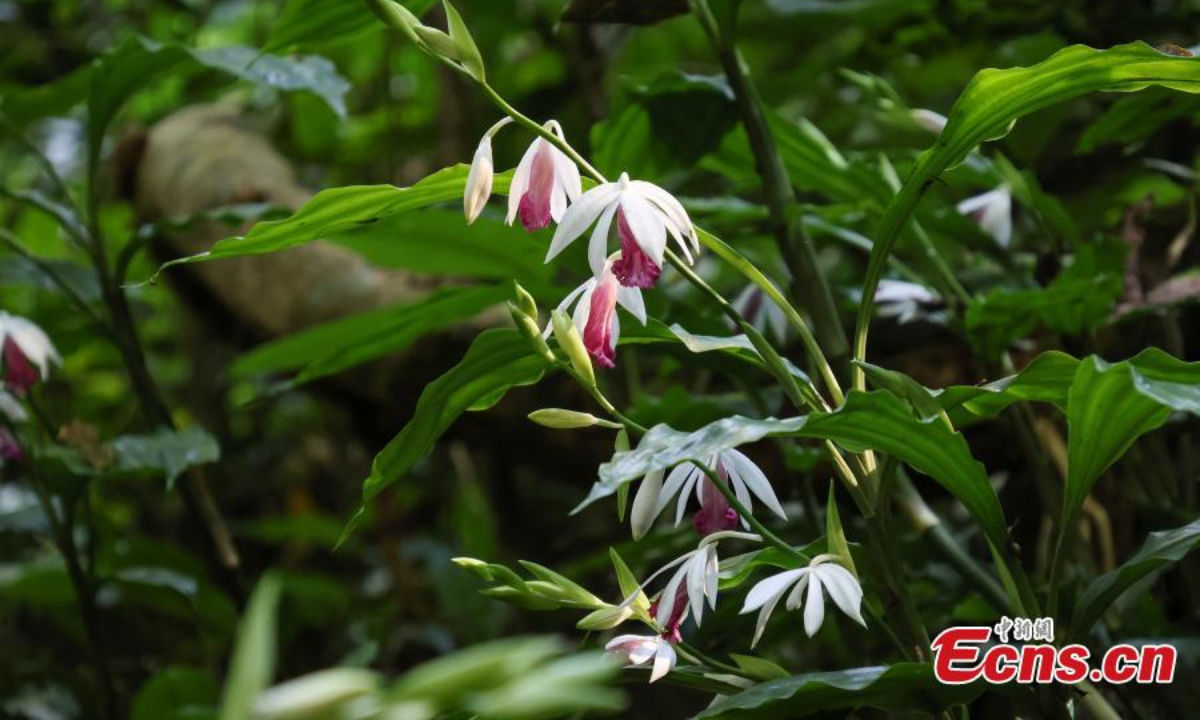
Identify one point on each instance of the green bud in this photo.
(563, 419)
(570, 341)
(528, 327)
(605, 618)
(437, 42)
(396, 15)
(468, 51)
(524, 301)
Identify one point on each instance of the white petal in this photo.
(771, 588)
(566, 173)
(479, 181)
(843, 588)
(520, 181)
(814, 610)
(636, 648)
(566, 302)
(693, 481)
(712, 570)
(598, 245)
(558, 202)
(665, 202)
(675, 480)
(646, 223)
(630, 298)
(666, 601)
(616, 330)
(796, 597)
(580, 216)
(695, 584)
(664, 661)
(583, 309)
(645, 502)
(763, 615)
(754, 479)
(10, 407)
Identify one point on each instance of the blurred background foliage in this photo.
(1093, 181)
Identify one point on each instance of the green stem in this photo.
(745, 514)
(702, 659)
(808, 283)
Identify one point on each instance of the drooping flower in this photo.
(822, 577)
(641, 649)
(645, 213)
(595, 313)
(992, 211)
(903, 300)
(763, 313)
(544, 181)
(27, 352)
(715, 513)
(743, 475)
(932, 121)
(479, 180)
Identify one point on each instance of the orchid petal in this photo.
(843, 588)
(755, 480)
(814, 610)
(580, 216)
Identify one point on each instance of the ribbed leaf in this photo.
(990, 105)
(1160, 549)
(314, 22)
(899, 688)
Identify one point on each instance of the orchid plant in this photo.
(747, 545)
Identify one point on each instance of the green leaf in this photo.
(340, 210)
(878, 421)
(759, 668)
(253, 663)
(336, 346)
(737, 569)
(166, 451)
(899, 688)
(990, 105)
(1047, 378)
(1159, 550)
(315, 695)
(903, 387)
(176, 693)
(627, 581)
(127, 69)
(317, 22)
(497, 360)
(1112, 405)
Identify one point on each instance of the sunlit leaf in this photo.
(316, 22)
(253, 663)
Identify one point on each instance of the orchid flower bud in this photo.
(559, 419)
(527, 326)
(571, 342)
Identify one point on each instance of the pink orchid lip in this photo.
(715, 513)
(634, 268)
(671, 631)
(597, 334)
(19, 373)
(534, 207)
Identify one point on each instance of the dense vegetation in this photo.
(889, 306)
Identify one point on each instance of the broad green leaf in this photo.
(627, 581)
(1112, 405)
(737, 569)
(903, 387)
(335, 346)
(315, 695)
(1160, 549)
(128, 68)
(24, 106)
(899, 688)
(497, 360)
(448, 679)
(759, 668)
(990, 105)
(339, 210)
(1047, 378)
(167, 451)
(253, 663)
(877, 421)
(316, 22)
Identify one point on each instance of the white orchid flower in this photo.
(763, 313)
(641, 649)
(903, 300)
(992, 211)
(934, 122)
(743, 475)
(479, 180)
(27, 352)
(645, 214)
(822, 576)
(695, 575)
(544, 181)
(595, 314)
